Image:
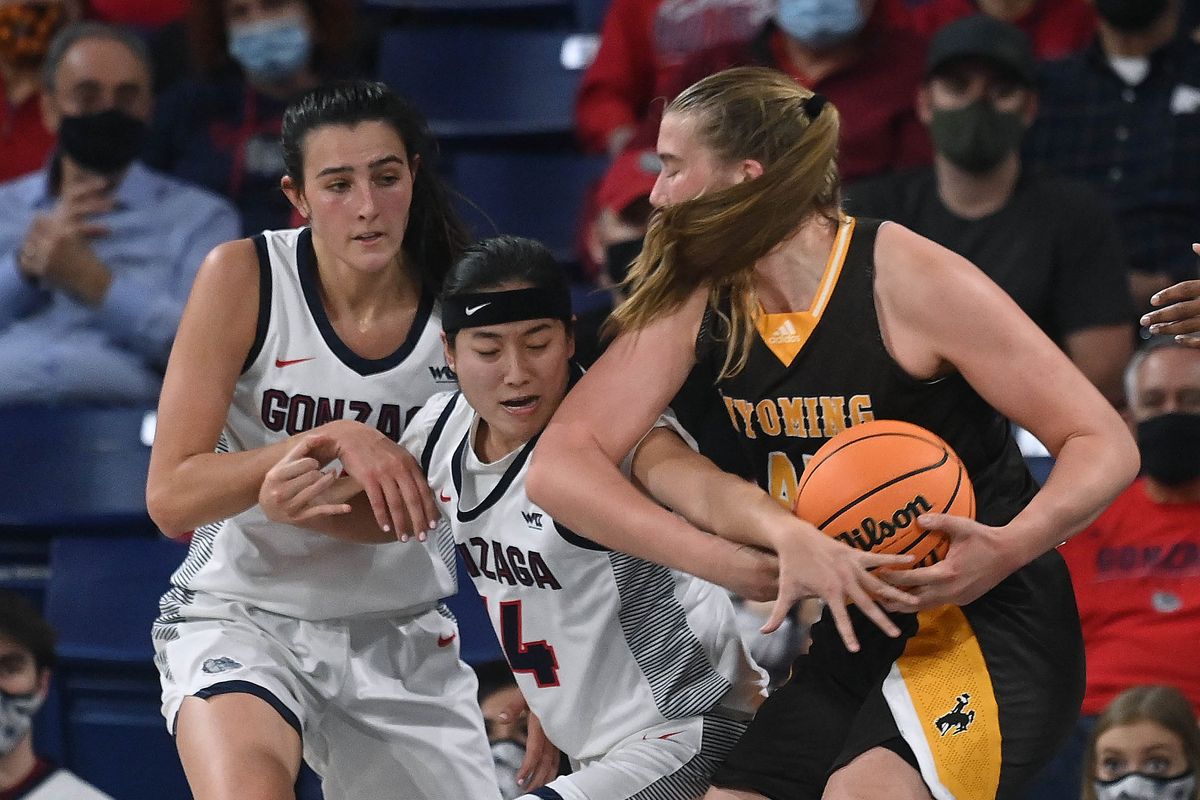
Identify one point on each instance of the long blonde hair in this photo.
(716, 239)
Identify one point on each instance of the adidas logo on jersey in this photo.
(533, 519)
(785, 334)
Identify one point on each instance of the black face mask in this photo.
(976, 137)
(618, 257)
(1130, 15)
(1170, 447)
(105, 142)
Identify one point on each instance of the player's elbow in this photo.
(164, 513)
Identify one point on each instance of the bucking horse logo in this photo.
(958, 720)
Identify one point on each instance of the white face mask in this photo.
(1138, 786)
(508, 755)
(16, 717)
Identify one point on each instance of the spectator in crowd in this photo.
(221, 129)
(1049, 242)
(97, 252)
(507, 720)
(1135, 568)
(26, 658)
(642, 45)
(1057, 28)
(1144, 747)
(1124, 115)
(26, 28)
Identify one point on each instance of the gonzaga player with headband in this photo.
(807, 322)
(635, 670)
(277, 642)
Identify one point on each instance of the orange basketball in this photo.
(867, 486)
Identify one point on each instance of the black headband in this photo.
(495, 308)
(814, 105)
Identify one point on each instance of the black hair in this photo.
(504, 261)
(21, 622)
(435, 235)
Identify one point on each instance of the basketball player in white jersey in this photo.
(275, 642)
(635, 670)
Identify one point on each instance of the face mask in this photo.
(105, 142)
(26, 30)
(977, 137)
(271, 50)
(1170, 447)
(618, 257)
(820, 23)
(1136, 786)
(16, 716)
(1130, 15)
(508, 755)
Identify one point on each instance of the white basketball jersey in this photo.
(602, 644)
(299, 375)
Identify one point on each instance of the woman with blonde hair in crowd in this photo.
(1145, 746)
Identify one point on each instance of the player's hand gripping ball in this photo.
(867, 486)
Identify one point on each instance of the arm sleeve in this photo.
(143, 312)
(617, 86)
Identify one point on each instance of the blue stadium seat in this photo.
(589, 14)
(483, 82)
(102, 597)
(472, 5)
(534, 194)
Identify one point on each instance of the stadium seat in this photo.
(472, 5)
(102, 597)
(534, 194)
(589, 14)
(484, 82)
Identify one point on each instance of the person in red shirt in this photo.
(1057, 28)
(26, 29)
(1136, 569)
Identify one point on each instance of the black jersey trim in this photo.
(435, 432)
(264, 299)
(498, 491)
(306, 265)
(571, 537)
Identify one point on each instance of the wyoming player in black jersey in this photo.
(808, 322)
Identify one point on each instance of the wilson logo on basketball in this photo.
(871, 532)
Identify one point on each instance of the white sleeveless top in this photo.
(602, 644)
(299, 374)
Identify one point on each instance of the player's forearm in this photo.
(358, 526)
(594, 500)
(1089, 472)
(208, 487)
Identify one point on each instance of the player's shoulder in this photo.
(420, 428)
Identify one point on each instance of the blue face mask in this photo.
(271, 50)
(820, 23)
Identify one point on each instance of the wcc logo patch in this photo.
(957, 720)
(214, 666)
(533, 519)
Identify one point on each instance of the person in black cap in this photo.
(1049, 242)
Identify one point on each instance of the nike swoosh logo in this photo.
(444, 641)
(664, 736)
(472, 309)
(444, 497)
(280, 363)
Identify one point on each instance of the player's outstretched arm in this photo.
(939, 314)
(189, 484)
(810, 563)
